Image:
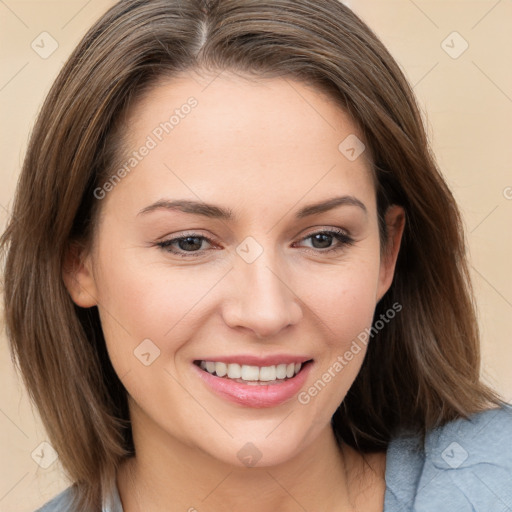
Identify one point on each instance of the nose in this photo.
(261, 297)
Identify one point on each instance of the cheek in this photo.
(140, 301)
(343, 304)
(343, 298)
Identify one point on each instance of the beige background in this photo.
(467, 103)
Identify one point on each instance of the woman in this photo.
(235, 278)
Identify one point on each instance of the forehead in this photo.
(253, 108)
(229, 138)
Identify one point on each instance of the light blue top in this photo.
(466, 467)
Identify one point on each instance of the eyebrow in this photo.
(218, 212)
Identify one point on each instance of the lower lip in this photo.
(259, 395)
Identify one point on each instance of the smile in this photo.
(248, 373)
(254, 386)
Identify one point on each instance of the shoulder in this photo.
(465, 465)
(65, 502)
(60, 503)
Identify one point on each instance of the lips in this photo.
(262, 387)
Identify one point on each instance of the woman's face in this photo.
(262, 169)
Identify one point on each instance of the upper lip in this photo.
(252, 360)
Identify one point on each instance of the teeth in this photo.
(234, 371)
(281, 371)
(268, 373)
(221, 369)
(251, 373)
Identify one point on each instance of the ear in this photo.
(395, 222)
(78, 277)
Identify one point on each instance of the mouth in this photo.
(251, 385)
(252, 374)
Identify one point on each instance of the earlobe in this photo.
(395, 223)
(78, 278)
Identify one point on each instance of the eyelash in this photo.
(342, 237)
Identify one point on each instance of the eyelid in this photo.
(342, 236)
(325, 229)
(163, 244)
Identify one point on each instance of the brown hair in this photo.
(421, 371)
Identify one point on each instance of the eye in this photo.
(185, 246)
(322, 240)
(191, 244)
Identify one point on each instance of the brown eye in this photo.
(189, 245)
(322, 240)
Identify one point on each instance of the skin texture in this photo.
(264, 149)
